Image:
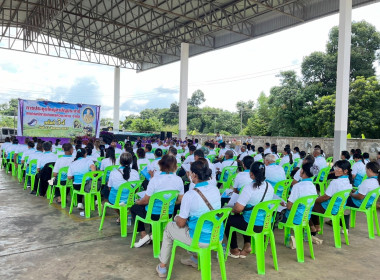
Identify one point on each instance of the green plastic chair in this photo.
(217, 150)
(19, 166)
(279, 154)
(107, 171)
(3, 160)
(21, 169)
(285, 184)
(230, 170)
(62, 188)
(121, 144)
(89, 201)
(322, 182)
(227, 185)
(217, 218)
(141, 168)
(278, 161)
(288, 169)
(58, 150)
(132, 187)
(157, 226)
(270, 208)
(336, 219)
(30, 175)
(370, 212)
(308, 203)
(352, 162)
(11, 163)
(211, 158)
(329, 161)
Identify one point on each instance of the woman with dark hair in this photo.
(257, 191)
(287, 158)
(154, 167)
(134, 158)
(273, 149)
(118, 177)
(296, 153)
(57, 144)
(109, 160)
(166, 180)
(342, 170)
(260, 154)
(192, 207)
(80, 166)
(358, 169)
(366, 158)
(141, 157)
(345, 155)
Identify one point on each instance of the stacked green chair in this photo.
(321, 180)
(217, 218)
(132, 187)
(29, 174)
(107, 172)
(285, 186)
(369, 208)
(308, 203)
(62, 188)
(89, 197)
(270, 208)
(340, 199)
(166, 198)
(11, 164)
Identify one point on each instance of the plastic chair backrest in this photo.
(211, 157)
(19, 156)
(287, 168)
(31, 163)
(342, 196)
(25, 161)
(278, 161)
(107, 171)
(166, 197)
(132, 186)
(60, 172)
(142, 166)
(269, 207)
(352, 162)
(375, 194)
(11, 156)
(227, 171)
(323, 172)
(308, 203)
(95, 176)
(99, 159)
(285, 184)
(217, 218)
(329, 159)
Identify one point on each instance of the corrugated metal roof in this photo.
(146, 34)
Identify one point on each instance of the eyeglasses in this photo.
(337, 168)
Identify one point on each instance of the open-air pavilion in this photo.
(45, 242)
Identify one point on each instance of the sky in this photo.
(226, 76)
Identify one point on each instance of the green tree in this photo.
(256, 126)
(107, 122)
(324, 116)
(147, 125)
(245, 110)
(10, 108)
(196, 99)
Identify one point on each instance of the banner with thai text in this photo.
(52, 119)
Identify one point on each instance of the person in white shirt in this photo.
(243, 153)
(62, 162)
(296, 153)
(320, 161)
(192, 207)
(218, 138)
(141, 158)
(57, 145)
(31, 150)
(190, 158)
(250, 149)
(342, 170)
(222, 150)
(148, 152)
(273, 173)
(154, 167)
(118, 151)
(120, 176)
(358, 169)
(21, 148)
(257, 191)
(228, 161)
(7, 142)
(80, 166)
(372, 182)
(260, 154)
(200, 156)
(267, 149)
(315, 169)
(273, 149)
(212, 147)
(11, 148)
(109, 160)
(287, 158)
(366, 158)
(249, 140)
(243, 178)
(48, 156)
(166, 180)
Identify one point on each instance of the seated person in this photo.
(118, 177)
(148, 152)
(257, 191)
(141, 157)
(243, 178)
(61, 162)
(372, 182)
(273, 173)
(166, 180)
(80, 166)
(192, 207)
(32, 168)
(228, 161)
(109, 160)
(358, 169)
(260, 154)
(154, 167)
(342, 170)
(366, 158)
(304, 188)
(287, 158)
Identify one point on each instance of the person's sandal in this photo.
(118, 221)
(233, 255)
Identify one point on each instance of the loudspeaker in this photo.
(169, 134)
(162, 135)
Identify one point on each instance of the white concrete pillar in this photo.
(343, 78)
(116, 99)
(183, 88)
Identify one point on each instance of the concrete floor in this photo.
(42, 241)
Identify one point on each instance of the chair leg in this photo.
(353, 218)
(205, 256)
(171, 262)
(371, 230)
(99, 198)
(298, 235)
(308, 232)
(286, 235)
(321, 223)
(52, 196)
(123, 221)
(376, 220)
(134, 233)
(274, 252)
(72, 202)
(103, 216)
(336, 230)
(345, 230)
(63, 192)
(260, 255)
(26, 182)
(87, 205)
(156, 234)
(222, 263)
